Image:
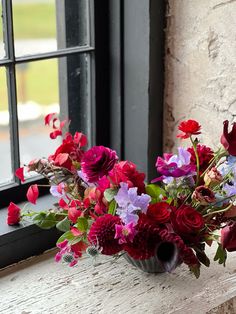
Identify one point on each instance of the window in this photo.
(107, 72)
(46, 65)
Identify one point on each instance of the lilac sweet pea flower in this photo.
(228, 166)
(129, 203)
(230, 189)
(175, 166)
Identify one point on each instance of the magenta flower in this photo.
(175, 166)
(125, 233)
(97, 162)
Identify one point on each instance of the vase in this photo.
(165, 259)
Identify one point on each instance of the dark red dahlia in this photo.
(97, 162)
(205, 155)
(126, 171)
(145, 241)
(102, 233)
(189, 127)
(186, 253)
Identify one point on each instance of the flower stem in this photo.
(197, 159)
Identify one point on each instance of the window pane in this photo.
(43, 26)
(2, 49)
(5, 150)
(37, 95)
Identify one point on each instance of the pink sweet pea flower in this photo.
(33, 193)
(13, 214)
(125, 233)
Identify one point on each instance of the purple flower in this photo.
(228, 166)
(175, 166)
(97, 162)
(125, 233)
(230, 189)
(130, 203)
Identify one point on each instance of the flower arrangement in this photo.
(105, 207)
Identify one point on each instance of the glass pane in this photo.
(2, 49)
(37, 95)
(43, 26)
(5, 150)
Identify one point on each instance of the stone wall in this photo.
(200, 67)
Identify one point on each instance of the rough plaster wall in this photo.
(200, 67)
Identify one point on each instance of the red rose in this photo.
(228, 139)
(186, 220)
(13, 214)
(159, 212)
(125, 171)
(189, 127)
(228, 237)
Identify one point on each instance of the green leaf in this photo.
(195, 270)
(220, 255)
(156, 192)
(45, 220)
(82, 224)
(63, 225)
(203, 258)
(109, 194)
(112, 208)
(66, 236)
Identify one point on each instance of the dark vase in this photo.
(166, 259)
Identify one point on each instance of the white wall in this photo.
(200, 67)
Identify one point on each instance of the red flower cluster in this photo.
(126, 171)
(69, 151)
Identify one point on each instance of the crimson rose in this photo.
(159, 212)
(186, 220)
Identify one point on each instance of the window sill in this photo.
(40, 285)
(20, 242)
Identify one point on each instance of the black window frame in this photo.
(129, 43)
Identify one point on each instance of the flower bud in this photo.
(212, 177)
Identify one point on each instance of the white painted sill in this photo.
(39, 285)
